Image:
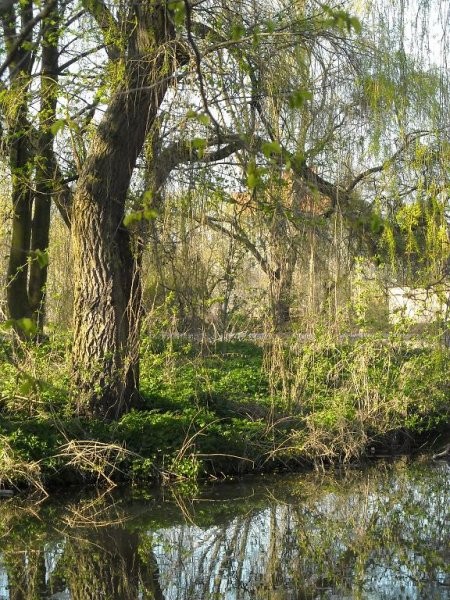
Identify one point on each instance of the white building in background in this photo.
(418, 305)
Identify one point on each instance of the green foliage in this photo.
(26, 325)
(146, 214)
(41, 256)
(178, 9)
(270, 148)
(213, 412)
(343, 20)
(298, 98)
(237, 31)
(202, 119)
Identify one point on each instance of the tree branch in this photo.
(108, 25)
(239, 235)
(388, 162)
(23, 35)
(184, 152)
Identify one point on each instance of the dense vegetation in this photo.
(217, 412)
(180, 177)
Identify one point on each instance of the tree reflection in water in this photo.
(378, 534)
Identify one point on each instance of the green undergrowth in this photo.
(229, 408)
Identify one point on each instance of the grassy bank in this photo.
(228, 408)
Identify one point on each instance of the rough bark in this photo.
(106, 319)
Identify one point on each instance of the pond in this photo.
(378, 533)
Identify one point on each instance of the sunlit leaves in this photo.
(237, 31)
(376, 222)
(270, 148)
(178, 9)
(299, 97)
(41, 257)
(341, 19)
(200, 117)
(146, 213)
(253, 175)
(61, 124)
(199, 144)
(25, 325)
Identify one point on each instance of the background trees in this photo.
(233, 148)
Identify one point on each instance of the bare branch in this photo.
(388, 162)
(184, 151)
(238, 234)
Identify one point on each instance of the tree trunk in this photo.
(284, 251)
(17, 276)
(20, 167)
(281, 297)
(45, 169)
(106, 317)
(27, 270)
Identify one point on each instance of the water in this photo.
(381, 533)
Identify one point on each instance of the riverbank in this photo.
(225, 409)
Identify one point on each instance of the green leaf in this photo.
(298, 98)
(355, 24)
(27, 46)
(138, 215)
(57, 126)
(27, 325)
(149, 213)
(199, 144)
(376, 222)
(178, 9)
(270, 148)
(341, 20)
(26, 386)
(133, 217)
(252, 175)
(202, 118)
(147, 197)
(270, 26)
(237, 32)
(41, 257)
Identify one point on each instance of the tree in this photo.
(31, 159)
(105, 352)
(105, 366)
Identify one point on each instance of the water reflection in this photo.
(380, 534)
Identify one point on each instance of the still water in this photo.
(380, 533)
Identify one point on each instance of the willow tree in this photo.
(157, 51)
(340, 117)
(150, 46)
(143, 45)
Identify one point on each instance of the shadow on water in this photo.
(375, 534)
